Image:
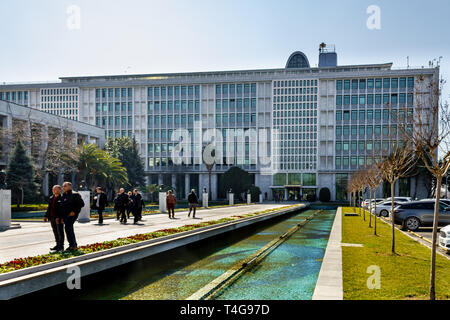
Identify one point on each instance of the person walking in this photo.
(54, 214)
(130, 204)
(193, 203)
(71, 204)
(100, 202)
(171, 201)
(136, 205)
(122, 202)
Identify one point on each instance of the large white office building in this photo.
(329, 120)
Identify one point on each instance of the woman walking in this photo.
(171, 201)
(193, 203)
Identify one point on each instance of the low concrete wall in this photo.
(21, 282)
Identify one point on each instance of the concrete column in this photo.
(285, 194)
(261, 198)
(85, 214)
(5, 209)
(187, 184)
(213, 190)
(205, 200)
(162, 202)
(231, 199)
(249, 198)
(174, 181)
(45, 185)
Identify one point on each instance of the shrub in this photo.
(324, 195)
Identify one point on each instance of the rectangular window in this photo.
(370, 99)
(378, 83)
(354, 100)
(394, 83)
(370, 84)
(354, 84)
(338, 115)
(402, 83)
(410, 82)
(362, 115)
(347, 115)
(362, 100)
(346, 84)
(339, 85)
(362, 84)
(378, 99)
(386, 83)
(346, 100)
(339, 100)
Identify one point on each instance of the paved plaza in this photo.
(35, 238)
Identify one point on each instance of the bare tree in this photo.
(430, 135)
(375, 179)
(399, 164)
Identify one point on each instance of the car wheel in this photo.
(384, 213)
(412, 223)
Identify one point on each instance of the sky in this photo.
(44, 40)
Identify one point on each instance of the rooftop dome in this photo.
(297, 60)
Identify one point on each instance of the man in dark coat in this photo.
(122, 202)
(193, 202)
(100, 202)
(55, 215)
(72, 204)
(171, 202)
(136, 205)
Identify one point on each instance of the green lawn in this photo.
(403, 276)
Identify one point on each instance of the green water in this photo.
(288, 272)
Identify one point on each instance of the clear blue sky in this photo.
(153, 36)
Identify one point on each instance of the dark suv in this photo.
(416, 214)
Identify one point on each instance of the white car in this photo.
(444, 238)
(384, 208)
(366, 203)
(400, 199)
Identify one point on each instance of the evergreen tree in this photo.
(20, 177)
(127, 151)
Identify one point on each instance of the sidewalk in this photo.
(35, 238)
(329, 284)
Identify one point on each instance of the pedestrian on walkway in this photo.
(122, 202)
(55, 215)
(136, 205)
(72, 204)
(193, 203)
(130, 204)
(171, 202)
(100, 203)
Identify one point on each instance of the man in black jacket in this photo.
(100, 202)
(72, 204)
(122, 202)
(55, 214)
(136, 205)
(193, 202)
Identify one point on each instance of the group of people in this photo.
(65, 206)
(63, 209)
(126, 203)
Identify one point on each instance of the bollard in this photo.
(5, 210)
(249, 198)
(85, 213)
(162, 202)
(231, 199)
(205, 200)
(261, 199)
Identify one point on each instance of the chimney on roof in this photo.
(327, 56)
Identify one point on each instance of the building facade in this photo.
(322, 123)
(36, 128)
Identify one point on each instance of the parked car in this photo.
(384, 207)
(444, 201)
(444, 238)
(416, 214)
(401, 199)
(366, 203)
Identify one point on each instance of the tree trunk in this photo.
(392, 217)
(375, 212)
(433, 241)
(370, 208)
(359, 204)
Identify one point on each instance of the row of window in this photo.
(113, 93)
(224, 89)
(368, 131)
(299, 98)
(377, 99)
(294, 179)
(110, 121)
(177, 106)
(369, 115)
(294, 83)
(363, 146)
(59, 98)
(14, 96)
(236, 103)
(385, 83)
(164, 92)
(296, 91)
(59, 91)
(117, 107)
(49, 105)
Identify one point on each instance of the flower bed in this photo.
(22, 263)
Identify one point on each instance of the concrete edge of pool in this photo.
(329, 284)
(21, 282)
